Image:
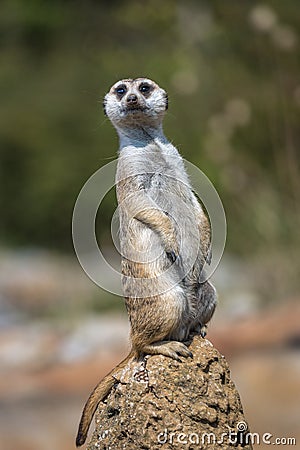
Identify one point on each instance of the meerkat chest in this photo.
(158, 171)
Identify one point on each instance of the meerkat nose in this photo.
(132, 99)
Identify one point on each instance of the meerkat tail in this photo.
(98, 394)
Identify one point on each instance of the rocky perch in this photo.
(160, 403)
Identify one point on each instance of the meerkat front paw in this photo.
(169, 238)
(171, 248)
(172, 256)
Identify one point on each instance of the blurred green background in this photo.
(232, 72)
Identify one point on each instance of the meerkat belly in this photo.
(146, 267)
(175, 198)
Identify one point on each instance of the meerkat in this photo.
(165, 235)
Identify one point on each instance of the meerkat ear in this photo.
(104, 105)
(167, 100)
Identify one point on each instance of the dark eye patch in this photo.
(121, 90)
(145, 88)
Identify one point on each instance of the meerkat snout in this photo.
(133, 102)
(132, 99)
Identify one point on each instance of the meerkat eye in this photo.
(144, 88)
(121, 90)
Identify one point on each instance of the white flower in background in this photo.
(196, 23)
(263, 18)
(185, 82)
(222, 126)
(284, 37)
(238, 111)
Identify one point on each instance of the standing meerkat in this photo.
(164, 235)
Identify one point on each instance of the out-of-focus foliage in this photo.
(232, 72)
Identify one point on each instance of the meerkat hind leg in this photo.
(173, 349)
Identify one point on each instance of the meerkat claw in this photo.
(203, 331)
(171, 256)
(180, 349)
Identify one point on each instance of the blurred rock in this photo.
(37, 282)
(269, 328)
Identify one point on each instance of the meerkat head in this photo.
(134, 103)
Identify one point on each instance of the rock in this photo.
(159, 403)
